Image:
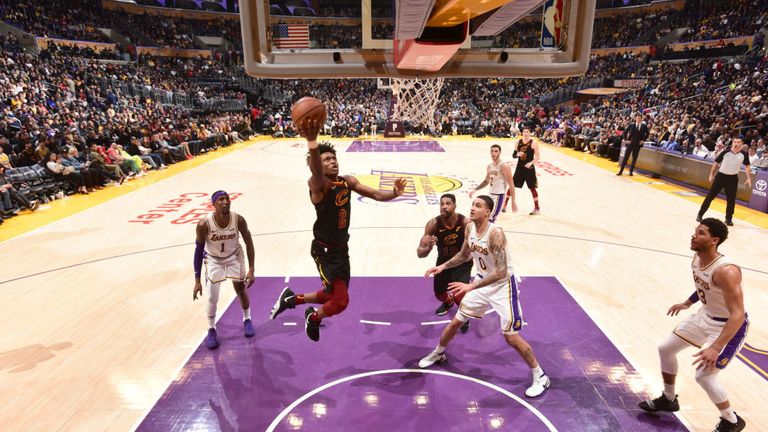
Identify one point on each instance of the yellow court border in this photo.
(73, 204)
(742, 213)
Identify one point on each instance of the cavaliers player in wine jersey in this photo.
(527, 153)
(718, 328)
(331, 195)
(446, 231)
(218, 246)
(493, 288)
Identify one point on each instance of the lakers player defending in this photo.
(498, 178)
(218, 245)
(494, 287)
(719, 327)
(331, 195)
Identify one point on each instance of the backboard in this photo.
(420, 39)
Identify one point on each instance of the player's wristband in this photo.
(198, 261)
(694, 297)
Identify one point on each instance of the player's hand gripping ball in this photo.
(308, 115)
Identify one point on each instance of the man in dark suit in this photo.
(636, 133)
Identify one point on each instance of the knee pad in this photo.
(707, 379)
(338, 300)
(668, 353)
(213, 297)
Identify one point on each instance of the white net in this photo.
(416, 99)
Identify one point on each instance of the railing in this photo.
(161, 96)
(220, 104)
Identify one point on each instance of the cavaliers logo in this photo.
(451, 240)
(342, 197)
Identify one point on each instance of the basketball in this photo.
(308, 108)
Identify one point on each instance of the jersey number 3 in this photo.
(342, 218)
(702, 295)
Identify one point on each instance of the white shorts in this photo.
(701, 330)
(218, 269)
(504, 298)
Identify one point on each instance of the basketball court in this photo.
(102, 332)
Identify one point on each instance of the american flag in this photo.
(288, 36)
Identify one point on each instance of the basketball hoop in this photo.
(416, 99)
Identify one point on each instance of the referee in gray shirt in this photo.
(727, 166)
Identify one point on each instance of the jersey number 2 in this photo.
(342, 218)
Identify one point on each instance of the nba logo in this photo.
(552, 24)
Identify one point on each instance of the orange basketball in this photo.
(308, 108)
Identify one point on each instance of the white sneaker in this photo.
(431, 359)
(538, 387)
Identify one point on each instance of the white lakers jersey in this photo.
(482, 258)
(497, 185)
(222, 242)
(711, 295)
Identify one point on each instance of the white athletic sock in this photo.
(212, 321)
(537, 372)
(246, 314)
(440, 349)
(669, 391)
(728, 414)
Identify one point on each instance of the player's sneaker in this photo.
(211, 341)
(538, 387)
(248, 327)
(464, 327)
(535, 212)
(443, 309)
(726, 426)
(287, 300)
(431, 359)
(312, 328)
(661, 403)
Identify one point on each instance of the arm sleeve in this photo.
(198, 261)
(694, 297)
(746, 159)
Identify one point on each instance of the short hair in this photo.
(488, 201)
(451, 197)
(496, 146)
(716, 229)
(324, 147)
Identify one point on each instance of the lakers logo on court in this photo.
(420, 188)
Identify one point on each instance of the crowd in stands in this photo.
(62, 132)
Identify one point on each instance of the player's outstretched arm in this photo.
(201, 232)
(376, 194)
(428, 240)
(242, 226)
(483, 183)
